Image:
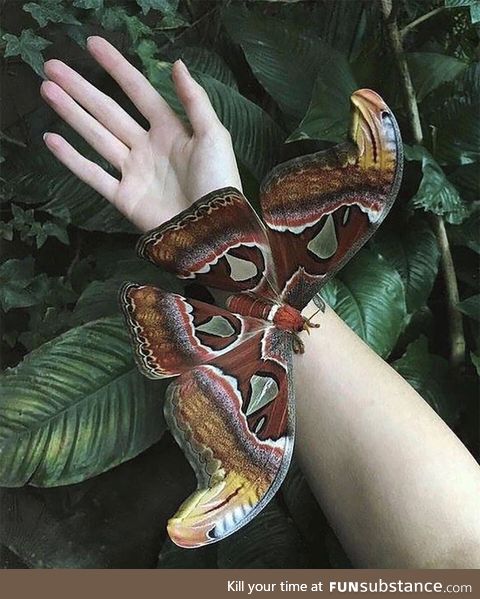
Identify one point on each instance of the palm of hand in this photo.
(162, 170)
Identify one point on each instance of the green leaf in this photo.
(115, 520)
(328, 115)
(281, 57)
(88, 4)
(430, 70)
(475, 357)
(169, 22)
(117, 18)
(370, 298)
(467, 233)
(100, 298)
(203, 60)
(45, 323)
(53, 229)
(87, 209)
(475, 12)
(456, 122)
(15, 284)
(467, 179)
(256, 138)
(329, 293)
(50, 11)
(6, 231)
(29, 46)
(136, 28)
(470, 307)
(41, 236)
(413, 251)
(76, 407)
(164, 6)
(430, 375)
(435, 192)
(286, 60)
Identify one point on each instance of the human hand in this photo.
(162, 170)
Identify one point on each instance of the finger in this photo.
(89, 172)
(195, 100)
(104, 142)
(103, 108)
(145, 97)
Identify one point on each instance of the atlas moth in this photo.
(231, 405)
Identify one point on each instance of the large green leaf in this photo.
(370, 298)
(203, 60)
(470, 306)
(435, 192)
(430, 70)
(16, 278)
(467, 233)
(40, 179)
(115, 520)
(467, 179)
(414, 252)
(475, 357)
(86, 208)
(282, 57)
(100, 298)
(456, 122)
(430, 375)
(287, 60)
(256, 138)
(328, 114)
(76, 407)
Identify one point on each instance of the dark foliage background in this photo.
(88, 472)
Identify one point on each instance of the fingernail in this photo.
(45, 135)
(182, 65)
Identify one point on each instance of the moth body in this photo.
(283, 316)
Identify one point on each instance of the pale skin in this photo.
(399, 488)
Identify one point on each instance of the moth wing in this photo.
(234, 419)
(219, 242)
(172, 334)
(321, 208)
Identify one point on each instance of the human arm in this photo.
(361, 407)
(397, 485)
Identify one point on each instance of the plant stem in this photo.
(421, 19)
(457, 338)
(12, 140)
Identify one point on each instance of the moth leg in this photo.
(298, 345)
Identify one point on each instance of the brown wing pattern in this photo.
(219, 242)
(241, 451)
(320, 209)
(171, 334)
